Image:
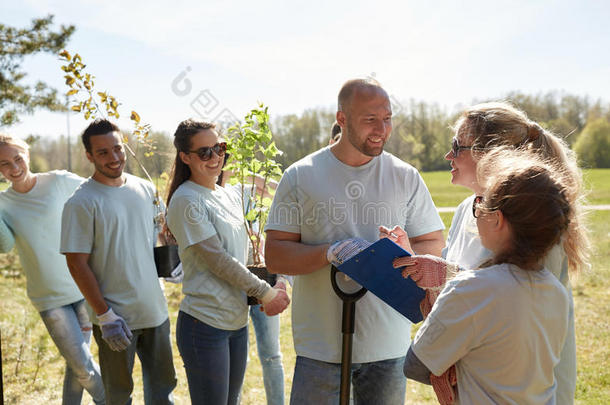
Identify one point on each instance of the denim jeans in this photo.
(214, 360)
(155, 353)
(318, 382)
(267, 330)
(70, 329)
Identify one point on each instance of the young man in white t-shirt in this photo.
(347, 191)
(108, 235)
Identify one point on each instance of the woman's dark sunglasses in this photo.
(205, 152)
(475, 205)
(456, 148)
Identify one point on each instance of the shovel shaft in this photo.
(348, 322)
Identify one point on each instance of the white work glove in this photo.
(344, 250)
(177, 275)
(276, 299)
(114, 330)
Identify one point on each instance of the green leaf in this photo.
(251, 215)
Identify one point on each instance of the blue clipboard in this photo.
(372, 268)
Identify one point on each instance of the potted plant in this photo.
(254, 170)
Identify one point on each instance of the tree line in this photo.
(421, 135)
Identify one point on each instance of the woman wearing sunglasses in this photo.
(479, 129)
(208, 224)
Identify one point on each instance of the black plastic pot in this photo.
(262, 273)
(166, 259)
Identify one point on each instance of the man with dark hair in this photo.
(97, 127)
(313, 222)
(108, 235)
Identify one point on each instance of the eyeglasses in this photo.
(478, 200)
(205, 152)
(456, 148)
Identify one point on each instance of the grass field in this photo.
(33, 369)
(596, 182)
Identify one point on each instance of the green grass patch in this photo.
(33, 369)
(444, 194)
(597, 184)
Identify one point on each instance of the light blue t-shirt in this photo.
(503, 328)
(34, 221)
(463, 242)
(197, 213)
(325, 200)
(115, 225)
(465, 248)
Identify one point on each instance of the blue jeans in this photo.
(70, 329)
(155, 353)
(267, 330)
(318, 382)
(214, 360)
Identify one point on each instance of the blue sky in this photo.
(295, 55)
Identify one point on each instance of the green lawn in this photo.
(33, 370)
(596, 182)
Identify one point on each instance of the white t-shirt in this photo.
(503, 328)
(115, 225)
(463, 242)
(464, 247)
(197, 213)
(34, 219)
(325, 200)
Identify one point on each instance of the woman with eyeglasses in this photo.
(498, 329)
(477, 131)
(208, 224)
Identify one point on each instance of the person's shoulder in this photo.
(388, 158)
(56, 173)
(464, 206)
(3, 196)
(394, 162)
(234, 191)
(135, 180)
(310, 161)
(84, 194)
(184, 193)
(63, 174)
(491, 275)
(138, 183)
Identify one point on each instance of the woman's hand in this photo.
(396, 235)
(276, 300)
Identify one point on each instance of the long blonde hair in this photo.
(494, 124)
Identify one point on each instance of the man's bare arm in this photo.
(431, 243)
(78, 263)
(285, 254)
